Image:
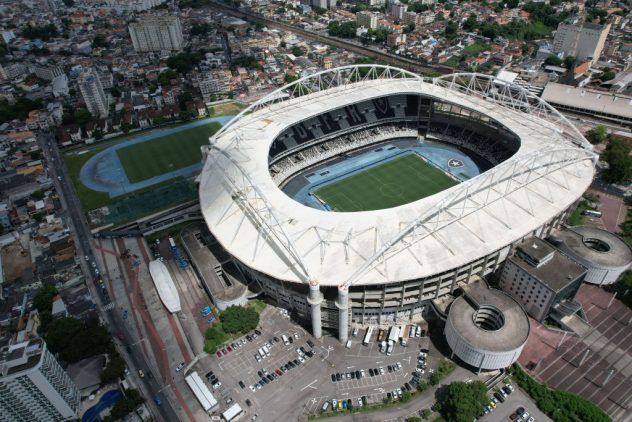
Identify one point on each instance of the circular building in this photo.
(486, 328)
(359, 194)
(605, 255)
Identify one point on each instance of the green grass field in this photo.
(396, 182)
(172, 152)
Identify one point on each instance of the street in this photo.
(150, 385)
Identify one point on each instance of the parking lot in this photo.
(514, 401)
(304, 388)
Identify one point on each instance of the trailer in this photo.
(393, 334)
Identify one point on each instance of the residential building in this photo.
(156, 33)
(209, 87)
(48, 73)
(366, 19)
(542, 279)
(585, 41)
(133, 5)
(33, 386)
(398, 9)
(324, 4)
(93, 95)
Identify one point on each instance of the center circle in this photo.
(489, 318)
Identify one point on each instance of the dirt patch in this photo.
(15, 261)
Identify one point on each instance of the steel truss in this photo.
(467, 198)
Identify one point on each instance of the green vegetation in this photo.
(577, 218)
(617, 155)
(247, 62)
(125, 406)
(74, 339)
(396, 182)
(44, 33)
(560, 406)
(215, 336)
(185, 62)
(236, 319)
(444, 369)
(342, 30)
(161, 155)
(461, 402)
(113, 369)
(226, 109)
(473, 50)
(597, 135)
(200, 28)
(19, 110)
(552, 60)
(298, 51)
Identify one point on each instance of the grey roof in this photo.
(87, 372)
(512, 335)
(556, 273)
(589, 100)
(574, 238)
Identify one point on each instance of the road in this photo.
(392, 59)
(150, 385)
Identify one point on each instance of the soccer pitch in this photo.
(161, 155)
(396, 182)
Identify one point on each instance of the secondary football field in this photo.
(168, 153)
(396, 182)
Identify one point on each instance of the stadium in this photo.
(360, 194)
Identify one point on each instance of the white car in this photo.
(381, 370)
(252, 388)
(300, 358)
(217, 385)
(360, 402)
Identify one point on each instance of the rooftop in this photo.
(598, 246)
(556, 273)
(511, 335)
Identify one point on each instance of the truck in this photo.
(405, 335)
(393, 334)
(380, 335)
(389, 349)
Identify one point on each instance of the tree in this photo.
(617, 155)
(470, 23)
(569, 61)
(298, 51)
(342, 30)
(607, 74)
(200, 28)
(237, 319)
(461, 402)
(44, 33)
(406, 396)
(82, 116)
(116, 92)
(553, 60)
(450, 29)
(99, 41)
(124, 407)
(597, 135)
(43, 300)
(113, 369)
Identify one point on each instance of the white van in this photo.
(348, 346)
(355, 332)
(286, 340)
(325, 406)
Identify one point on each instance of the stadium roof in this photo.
(588, 100)
(165, 286)
(270, 232)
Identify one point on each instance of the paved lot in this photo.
(304, 389)
(515, 400)
(597, 366)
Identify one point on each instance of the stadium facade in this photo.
(386, 265)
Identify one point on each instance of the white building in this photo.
(93, 95)
(366, 19)
(133, 5)
(582, 41)
(156, 33)
(209, 87)
(33, 386)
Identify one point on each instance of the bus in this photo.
(592, 213)
(367, 336)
